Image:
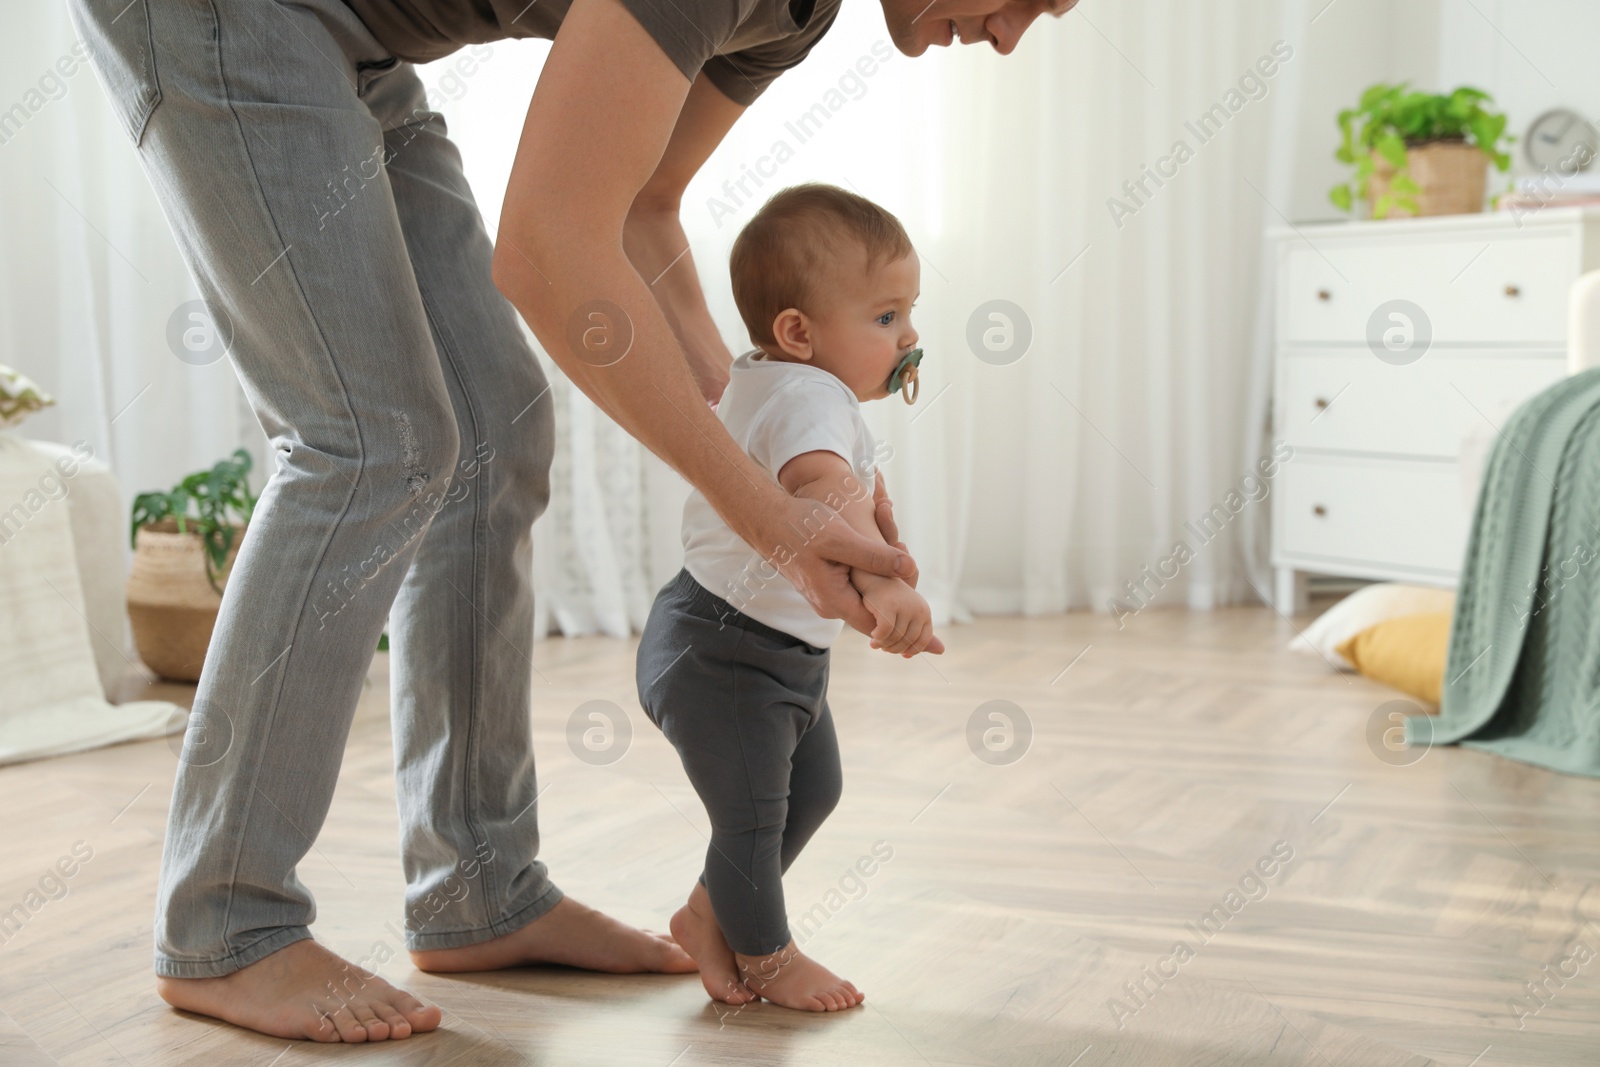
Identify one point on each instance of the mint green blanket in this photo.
(1523, 674)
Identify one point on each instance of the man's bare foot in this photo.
(792, 979)
(570, 934)
(695, 928)
(304, 991)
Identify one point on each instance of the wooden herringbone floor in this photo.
(1021, 901)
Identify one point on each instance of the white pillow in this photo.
(1364, 609)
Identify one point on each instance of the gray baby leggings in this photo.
(746, 707)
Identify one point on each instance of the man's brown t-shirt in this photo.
(742, 45)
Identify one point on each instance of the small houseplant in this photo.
(1417, 153)
(184, 544)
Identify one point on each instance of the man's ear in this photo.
(792, 332)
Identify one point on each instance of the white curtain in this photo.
(1139, 407)
(90, 276)
(1039, 485)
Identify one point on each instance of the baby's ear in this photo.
(792, 333)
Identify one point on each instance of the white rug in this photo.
(51, 698)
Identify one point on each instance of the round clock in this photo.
(1562, 141)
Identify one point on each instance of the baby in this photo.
(733, 664)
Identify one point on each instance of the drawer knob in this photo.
(1322, 403)
(1324, 295)
(1513, 292)
(1318, 510)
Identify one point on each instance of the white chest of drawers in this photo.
(1394, 341)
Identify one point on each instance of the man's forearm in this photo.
(654, 240)
(597, 307)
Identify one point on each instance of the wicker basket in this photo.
(171, 605)
(1453, 176)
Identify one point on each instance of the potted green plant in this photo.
(1417, 153)
(185, 541)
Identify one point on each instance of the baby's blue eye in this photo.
(886, 318)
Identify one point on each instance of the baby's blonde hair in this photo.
(782, 253)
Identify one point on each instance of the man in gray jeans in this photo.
(325, 217)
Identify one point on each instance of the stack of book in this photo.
(1552, 189)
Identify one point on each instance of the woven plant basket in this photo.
(171, 605)
(1453, 176)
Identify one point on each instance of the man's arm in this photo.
(905, 623)
(598, 126)
(659, 249)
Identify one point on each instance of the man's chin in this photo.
(907, 41)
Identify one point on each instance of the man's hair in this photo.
(781, 256)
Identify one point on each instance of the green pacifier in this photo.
(904, 379)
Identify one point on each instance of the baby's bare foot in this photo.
(695, 928)
(570, 934)
(304, 991)
(794, 980)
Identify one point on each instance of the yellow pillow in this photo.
(1406, 652)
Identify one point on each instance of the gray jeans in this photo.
(324, 215)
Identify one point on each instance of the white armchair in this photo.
(1583, 323)
(62, 613)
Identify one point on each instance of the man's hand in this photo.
(814, 547)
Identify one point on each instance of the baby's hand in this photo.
(905, 622)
